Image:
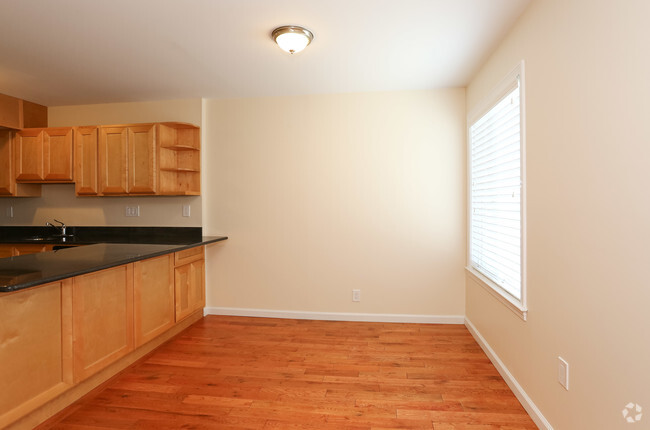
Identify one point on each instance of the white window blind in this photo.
(495, 202)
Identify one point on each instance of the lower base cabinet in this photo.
(54, 336)
(102, 319)
(35, 348)
(189, 275)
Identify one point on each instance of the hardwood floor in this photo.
(258, 373)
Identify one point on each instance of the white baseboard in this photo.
(517, 389)
(337, 316)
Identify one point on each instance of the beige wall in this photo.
(588, 92)
(59, 201)
(323, 194)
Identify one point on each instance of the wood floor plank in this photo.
(237, 373)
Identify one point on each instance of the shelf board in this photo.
(178, 169)
(181, 148)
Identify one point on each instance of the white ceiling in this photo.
(61, 52)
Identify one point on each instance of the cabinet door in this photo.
(35, 348)
(113, 160)
(57, 154)
(85, 161)
(102, 304)
(142, 159)
(28, 153)
(7, 177)
(153, 297)
(8, 185)
(190, 289)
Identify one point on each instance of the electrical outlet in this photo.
(356, 295)
(132, 211)
(186, 210)
(10, 212)
(563, 372)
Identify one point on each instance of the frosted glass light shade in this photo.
(292, 38)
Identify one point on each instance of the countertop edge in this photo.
(206, 240)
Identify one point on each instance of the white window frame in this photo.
(518, 306)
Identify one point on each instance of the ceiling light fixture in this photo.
(292, 38)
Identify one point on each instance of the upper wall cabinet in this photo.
(127, 159)
(138, 159)
(104, 160)
(180, 159)
(17, 114)
(44, 155)
(8, 185)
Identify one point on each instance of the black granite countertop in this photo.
(103, 248)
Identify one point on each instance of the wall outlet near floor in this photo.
(356, 295)
(132, 211)
(186, 210)
(563, 372)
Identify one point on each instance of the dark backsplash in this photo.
(81, 235)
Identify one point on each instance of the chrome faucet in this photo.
(60, 228)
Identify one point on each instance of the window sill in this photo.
(498, 293)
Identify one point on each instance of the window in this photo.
(496, 216)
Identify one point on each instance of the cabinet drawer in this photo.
(188, 255)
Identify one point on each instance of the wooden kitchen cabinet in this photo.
(142, 178)
(18, 114)
(35, 348)
(180, 159)
(127, 159)
(44, 155)
(58, 154)
(113, 159)
(8, 185)
(153, 297)
(138, 159)
(189, 281)
(55, 339)
(86, 175)
(28, 153)
(102, 309)
(10, 112)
